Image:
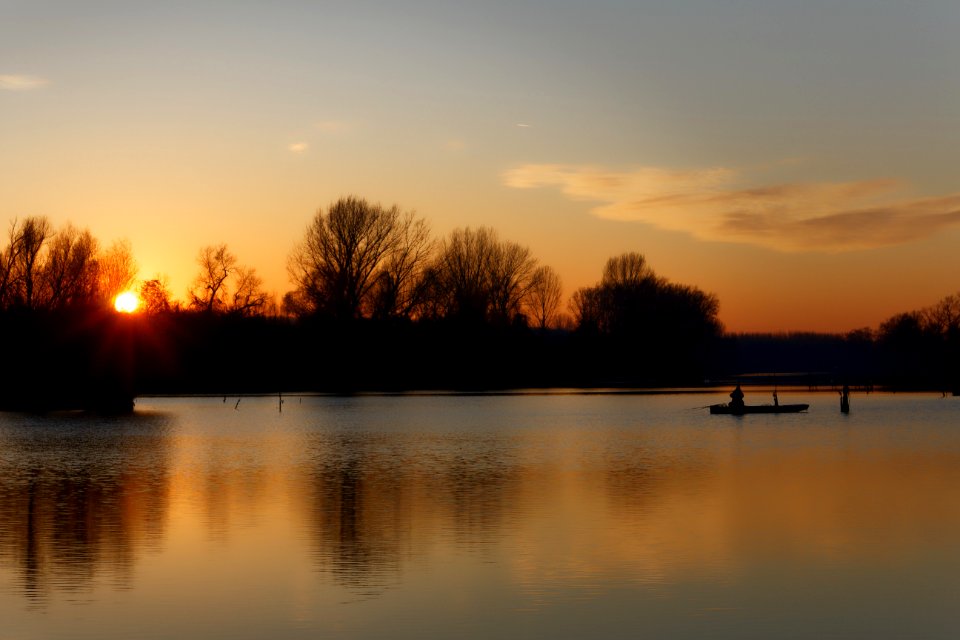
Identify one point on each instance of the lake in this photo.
(512, 516)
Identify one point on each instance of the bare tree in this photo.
(68, 275)
(248, 298)
(9, 259)
(294, 304)
(209, 287)
(155, 295)
(944, 317)
(543, 300)
(40, 268)
(225, 285)
(476, 275)
(400, 285)
(341, 262)
(628, 269)
(23, 261)
(70, 269)
(460, 276)
(117, 270)
(511, 275)
(585, 307)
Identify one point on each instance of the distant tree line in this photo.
(922, 348)
(378, 303)
(917, 349)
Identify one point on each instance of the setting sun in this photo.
(126, 302)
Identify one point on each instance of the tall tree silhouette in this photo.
(651, 326)
(20, 276)
(209, 290)
(399, 288)
(117, 270)
(69, 273)
(225, 285)
(477, 277)
(546, 291)
(155, 296)
(248, 297)
(358, 257)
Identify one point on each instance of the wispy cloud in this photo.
(22, 82)
(719, 204)
(298, 147)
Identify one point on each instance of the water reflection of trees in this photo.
(375, 502)
(80, 498)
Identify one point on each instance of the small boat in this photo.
(757, 408)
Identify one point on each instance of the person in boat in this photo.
(736, 397)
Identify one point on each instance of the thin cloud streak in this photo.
(22, 82)
(715, 205)
(298, 147)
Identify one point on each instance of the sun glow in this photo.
(126, 302)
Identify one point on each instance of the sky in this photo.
(797, 159)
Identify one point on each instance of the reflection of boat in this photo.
(757, 408)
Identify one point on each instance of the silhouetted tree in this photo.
(68, 275)
(21, 277)
(357, 258)
(629, 270)
(248, 298)
(512, 270)
(9, 257)
(943, 318)
(907, 347)
(43, 269)
(922, 348)
(117, 271)
(649, 326)
(209, 291)
(478, 277)
(546, 291)
(294, 304)
(400, 285)
(155, 296)
(224, 285)
(34, 235)
(585, 308)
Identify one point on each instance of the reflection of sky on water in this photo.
(561, 515)
(80, 498)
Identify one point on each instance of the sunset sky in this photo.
(798, 159)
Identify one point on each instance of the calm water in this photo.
(561, 516)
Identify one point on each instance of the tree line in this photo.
(921, 348)
(917, 349)
(378, 303)
(358, 261)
